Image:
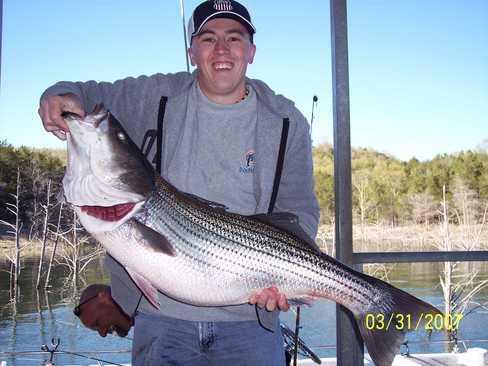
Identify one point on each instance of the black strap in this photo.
(159, 141)
(279, 163)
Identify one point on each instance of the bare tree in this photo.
(39, 181)
(361, 181)
(55, 245)
(466, 203)
(46, 208)
(469, 211)
(446, 277)
(15, 228)
(423, 207)
(458, 290)
(75, 256)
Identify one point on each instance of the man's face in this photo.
(104, 316)
(221, 51)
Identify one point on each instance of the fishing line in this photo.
(90, 358)
(182, 12)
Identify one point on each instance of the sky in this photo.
(418, 69)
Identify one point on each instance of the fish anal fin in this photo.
(153, 240)
(149, 291)
(303, 301)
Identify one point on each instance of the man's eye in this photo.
(208, 40)
(234, 39)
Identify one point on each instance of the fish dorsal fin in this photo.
(288, 222)
(205, 202)
(153, 240)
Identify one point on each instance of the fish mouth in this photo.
(109, 213)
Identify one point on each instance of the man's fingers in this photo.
(253, 299)
(71, 103)
(283, 304)
(270, 298)
(271, 304)
(52, 108)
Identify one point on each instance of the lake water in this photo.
(39, 316)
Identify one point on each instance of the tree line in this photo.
(388, 190)
(385, 189)
(32, 210)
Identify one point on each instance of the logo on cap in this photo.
(222, 5)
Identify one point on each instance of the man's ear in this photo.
(252, 53)
(191, 56)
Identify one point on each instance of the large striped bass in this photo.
(200, 254)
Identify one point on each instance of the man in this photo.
(98, 311)
(223, 137)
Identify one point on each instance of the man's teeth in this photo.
(223, 66)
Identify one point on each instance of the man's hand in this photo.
(270, 298)
(51, 109)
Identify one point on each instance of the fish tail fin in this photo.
(384, 325)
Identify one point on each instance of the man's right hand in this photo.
(51, 109)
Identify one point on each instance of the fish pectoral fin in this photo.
(153, 240)
(145, 287)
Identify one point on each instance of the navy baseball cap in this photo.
(212, 9)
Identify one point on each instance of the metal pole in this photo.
(350, 350)
(182, 11)
(417, 257)
(1, 17)
(296, 339)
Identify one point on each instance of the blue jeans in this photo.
(165, 341)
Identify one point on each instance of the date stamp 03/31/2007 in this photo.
(399, 321)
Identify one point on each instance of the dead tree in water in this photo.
(14, 209)
(46, 209)
(454, 287)
(74, 256)
(55, 246)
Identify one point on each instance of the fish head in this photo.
(107, 175)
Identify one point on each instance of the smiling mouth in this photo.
(112, 213)
(222, 66)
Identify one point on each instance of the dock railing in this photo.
(350, 348)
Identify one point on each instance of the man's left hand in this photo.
(270, 298)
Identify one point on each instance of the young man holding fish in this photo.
(227, 139)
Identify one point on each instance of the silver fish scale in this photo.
(235, 252)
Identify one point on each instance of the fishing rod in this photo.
(182, 12)
(314, 105)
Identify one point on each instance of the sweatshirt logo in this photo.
(249, 162)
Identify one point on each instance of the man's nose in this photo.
(221, 45)
(102, 332)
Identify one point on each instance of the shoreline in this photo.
(369, 238)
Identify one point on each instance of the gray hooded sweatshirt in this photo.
(135, 102)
